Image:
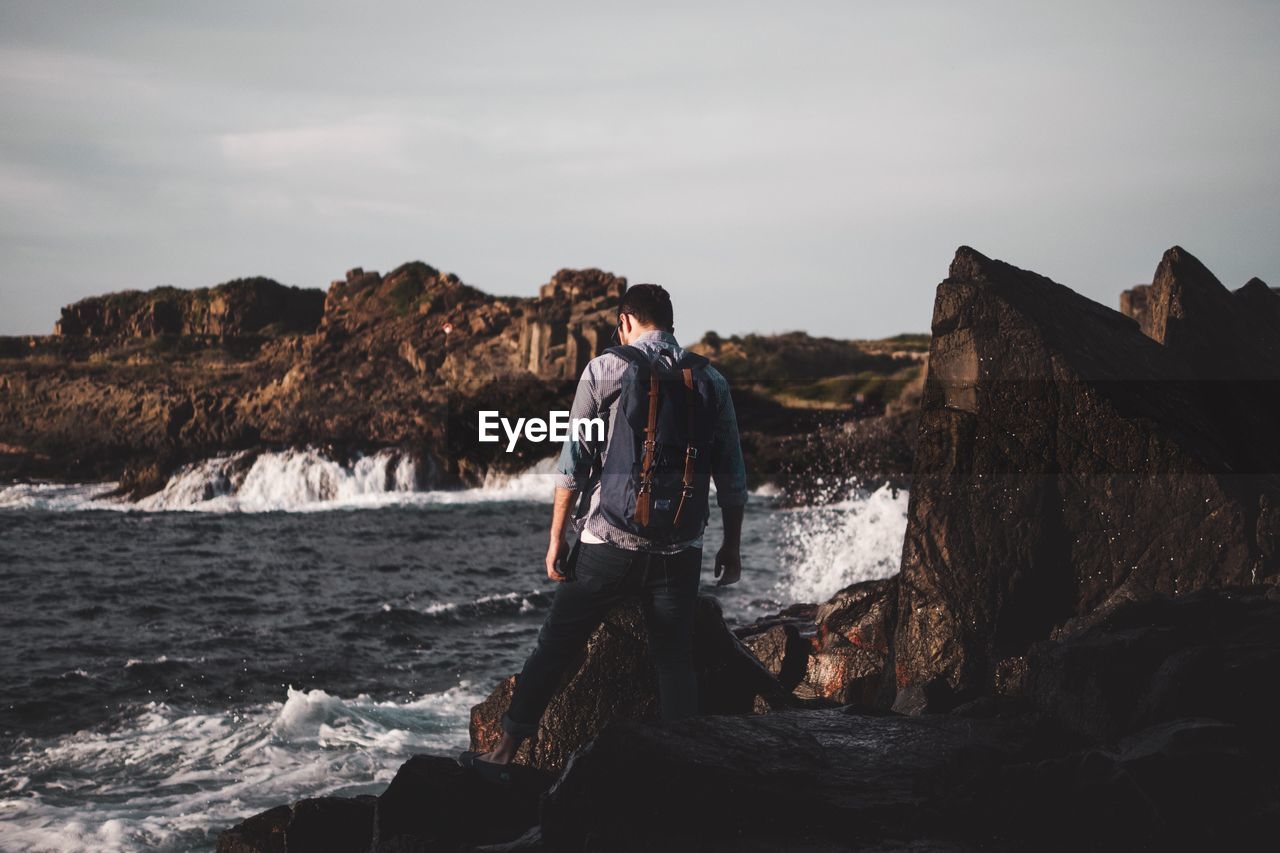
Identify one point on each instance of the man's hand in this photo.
(556, 551)
(728, 565)
(728, 558)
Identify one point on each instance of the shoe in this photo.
(489, 771)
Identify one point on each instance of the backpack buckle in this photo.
(650, 444)
(691, 452)
(686, 491)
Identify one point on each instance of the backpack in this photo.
(657, 473)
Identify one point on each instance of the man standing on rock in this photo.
(670, 429)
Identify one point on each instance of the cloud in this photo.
(825, 157)
(380, 139)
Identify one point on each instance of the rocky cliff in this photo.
(134, 384)
(1066, 462)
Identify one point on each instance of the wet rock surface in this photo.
(1206, 654)
(338, 824)
(615, 680)
(830, 776)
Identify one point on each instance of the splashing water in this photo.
(296, 480)
(828, 547)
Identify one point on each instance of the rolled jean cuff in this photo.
(517, 729)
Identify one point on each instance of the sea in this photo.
(297, 627)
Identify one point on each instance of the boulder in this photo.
(431, 806)
(615, 680)
(790, 780)
(1204, 654)
(1186, 784)
(337, 824)
(783, 650)
(851, 647)
(1066, 462)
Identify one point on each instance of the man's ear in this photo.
(628, 324)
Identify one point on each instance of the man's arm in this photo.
(559, 516)
(730, 474)
(573, 468)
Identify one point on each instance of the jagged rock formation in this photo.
(1066, 462)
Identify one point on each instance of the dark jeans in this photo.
(606, 575)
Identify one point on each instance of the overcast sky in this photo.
(776, 166)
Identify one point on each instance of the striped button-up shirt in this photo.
(597, 396)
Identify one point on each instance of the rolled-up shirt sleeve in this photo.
(727, 466)
(573, 468)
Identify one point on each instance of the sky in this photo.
(775, 166)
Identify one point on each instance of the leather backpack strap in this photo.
(690, 451)
(629, 353)
(644, 494)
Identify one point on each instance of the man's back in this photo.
(598, 395)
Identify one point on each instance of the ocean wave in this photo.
(296, 480)
(485, 605)
(170, 778)
(826, 548)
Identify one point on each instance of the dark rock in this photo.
(1136, 303)
(1187, 784)
(1204, 654)
(783, 651)
(262, 833)
(245, 306)
(530, 842)
(337, 824)
(615, 680)
(851, 649)
(790, 780)
(1065, 463)
(433, 804)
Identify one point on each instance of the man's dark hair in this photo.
(650, 304)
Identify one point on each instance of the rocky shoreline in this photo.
(1079, 652)
(134, 385)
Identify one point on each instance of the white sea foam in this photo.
(302, 480)
(295, 480)
(825, 548)
(167, 777)
(522, 602)
(287, 480)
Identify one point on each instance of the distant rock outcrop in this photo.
(135, 384)
(246, 306)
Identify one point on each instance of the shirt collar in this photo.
(658, 335)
